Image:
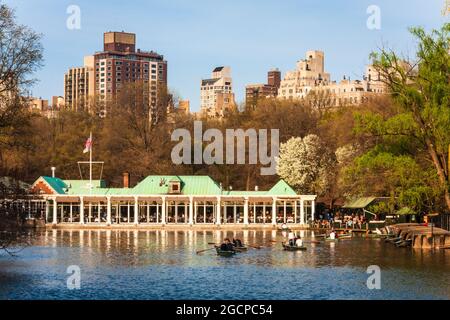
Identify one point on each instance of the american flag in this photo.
(87, 145)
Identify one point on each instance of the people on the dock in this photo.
(226, 245)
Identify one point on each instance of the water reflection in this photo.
(119, 263)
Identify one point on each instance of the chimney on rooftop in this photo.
(53, 171)
(126, 180)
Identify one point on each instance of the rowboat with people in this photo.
(225, 253)
(287, 247)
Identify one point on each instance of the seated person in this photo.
(237, 243)
(299, 242)
(226, 245)
(332, 235)
(291, 238)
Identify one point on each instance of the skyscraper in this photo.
(105, 73)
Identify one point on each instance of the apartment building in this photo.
(106, 73)
(216, 93)
(255, 92)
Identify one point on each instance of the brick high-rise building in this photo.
(118, 64)
(255, 92)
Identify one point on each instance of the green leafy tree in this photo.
(421, 92)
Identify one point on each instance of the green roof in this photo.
(359, 203)
(190, 185)
(405, 211)
(56, 183)
(159, 185)
(281, 188)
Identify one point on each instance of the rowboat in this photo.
(331, 240)
(346, 236)
(224, 253)
(240, 249)
(292, 248)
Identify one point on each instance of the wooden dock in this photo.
(421, 236)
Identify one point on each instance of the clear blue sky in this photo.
(251, 36)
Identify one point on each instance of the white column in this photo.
(225, 218)
(185, 212)
(313, 209)
(274, 211)
(264, 212)
(218, 218)
(302, 211)
(81, 210)
(195, 211)
(47, 210)
(176, 211)
(128, 211)
(55, 211)
(254, 212)
(136, 210)
(246, 211)
(108, 211)
(234, 213)
(284, 211)
(191, 211)
(295, 211)
(163, 213)
(148, 212)
(157, 212)
(204, 212)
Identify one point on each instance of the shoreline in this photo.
(206, 227)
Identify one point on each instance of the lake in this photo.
(131, 264)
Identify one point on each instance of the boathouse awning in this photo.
(359, 203)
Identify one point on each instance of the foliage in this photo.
(306, 164)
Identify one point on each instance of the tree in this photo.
(421, 91)
(20, 56)
(306, 164)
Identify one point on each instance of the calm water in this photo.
(164, 265)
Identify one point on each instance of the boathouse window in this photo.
(174, 187)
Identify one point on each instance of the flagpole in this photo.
(90, 163)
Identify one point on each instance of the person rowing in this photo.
(299, 242)
(237, 243)
(332, 235)
(226, 245)
(291, 238)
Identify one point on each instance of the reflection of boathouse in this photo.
(170, 200)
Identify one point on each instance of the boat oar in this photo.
(200, 251)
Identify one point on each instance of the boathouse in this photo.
(165, 200)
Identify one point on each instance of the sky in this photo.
(250, 36)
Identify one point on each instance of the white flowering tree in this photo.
(306, 164)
